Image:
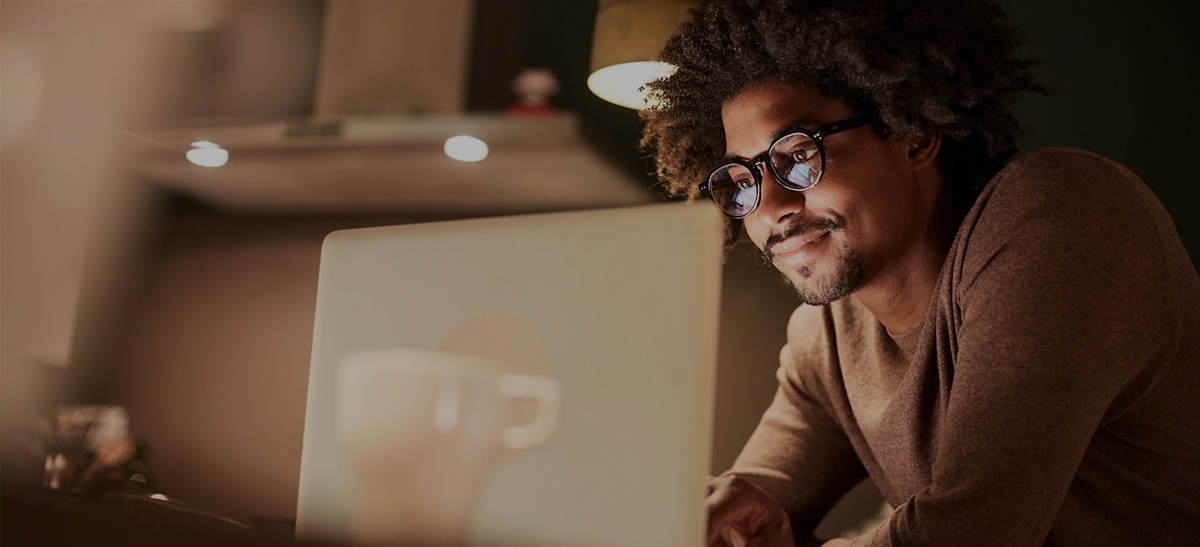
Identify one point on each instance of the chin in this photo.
(818, 288)
(821, 294)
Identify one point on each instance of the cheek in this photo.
(756, 229)
(881, 220)
(875, 196)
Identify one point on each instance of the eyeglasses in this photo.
(796, 161)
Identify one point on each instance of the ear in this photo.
(923, 149)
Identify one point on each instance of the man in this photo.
(1009, 350)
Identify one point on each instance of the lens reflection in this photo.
(796, 160)
(735, 189)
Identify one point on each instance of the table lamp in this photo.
(625, 45)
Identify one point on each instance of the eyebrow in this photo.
(801, 124)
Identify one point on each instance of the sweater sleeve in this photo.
(1064, 315)
(798, 453)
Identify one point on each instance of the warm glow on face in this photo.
(621, 84)
(466, 148)
(207, 154)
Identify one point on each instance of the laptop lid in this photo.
(619, 306)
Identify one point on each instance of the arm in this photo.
(1064, 312)
(798, 456)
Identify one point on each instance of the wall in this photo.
(1124, 81)
(215, 361)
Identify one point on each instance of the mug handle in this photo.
(546, 391)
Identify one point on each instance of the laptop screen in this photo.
(617, 306)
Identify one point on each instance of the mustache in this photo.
(798, 228)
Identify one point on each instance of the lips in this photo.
(797, 243)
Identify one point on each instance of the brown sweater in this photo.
(1050, 395)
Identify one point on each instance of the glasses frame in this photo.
(753, 165)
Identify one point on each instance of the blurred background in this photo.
(185, 294)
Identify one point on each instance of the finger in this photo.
(733, 536)
(726, 527)
(708, 485)
(725, 508)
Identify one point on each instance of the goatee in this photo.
(848, 272)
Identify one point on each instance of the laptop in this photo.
(619, 306)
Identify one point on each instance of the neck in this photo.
(900, 300)
(901, 292)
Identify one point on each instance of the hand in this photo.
(740, 514)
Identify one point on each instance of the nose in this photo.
(776, 204)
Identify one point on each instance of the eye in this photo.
(793, 149)
(744, 183)
(803, 154)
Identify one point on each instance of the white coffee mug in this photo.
(420, 430)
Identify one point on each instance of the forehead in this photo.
(753, 116)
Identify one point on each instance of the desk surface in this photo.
(52, 519)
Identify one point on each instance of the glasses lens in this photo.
(796, 160)
(735, 189)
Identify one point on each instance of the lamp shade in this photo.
(628, 37)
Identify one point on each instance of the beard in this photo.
(812, 287)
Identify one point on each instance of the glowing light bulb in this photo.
(207, 154)
(622, 84)
(465, 148)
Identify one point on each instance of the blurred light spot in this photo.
(159, 497)
(207, 154)
(22, 90)
(624, 84)
(466, 148)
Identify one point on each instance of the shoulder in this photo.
(841, 316)
(806, 335)
(1068, 263)
(806, 321)
(817, 336)
(1069, 182)
(817, 329)
(1057, 175)
(1059, 202)
(1063, 233)
(804, 359)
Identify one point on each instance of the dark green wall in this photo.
(1125, 84)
